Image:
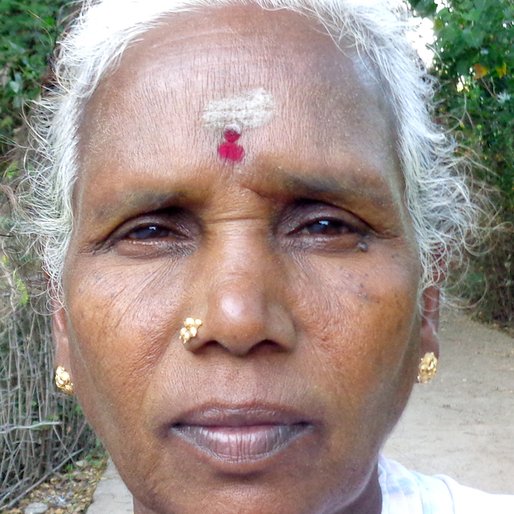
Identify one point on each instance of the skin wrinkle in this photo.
(324, 187)
(304, 337)
(330, 188)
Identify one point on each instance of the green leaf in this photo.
(463, 67)
(425, 8)
(473, 37)
(15, 86)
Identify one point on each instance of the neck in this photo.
(369, 501)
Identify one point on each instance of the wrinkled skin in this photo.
(270, 253)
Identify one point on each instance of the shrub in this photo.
(474, 62)
(40, 429)
(28, 30)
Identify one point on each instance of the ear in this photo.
(430, 321)
(61, 337)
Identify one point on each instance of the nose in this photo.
(246, 306)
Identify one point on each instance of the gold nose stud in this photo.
(190, 329)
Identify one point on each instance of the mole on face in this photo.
(229, 149)
(363, 246)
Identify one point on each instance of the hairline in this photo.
(408, 110)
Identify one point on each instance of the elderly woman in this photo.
(245, 214)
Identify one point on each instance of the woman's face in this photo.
(288, 237)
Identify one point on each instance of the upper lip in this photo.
(220, 415)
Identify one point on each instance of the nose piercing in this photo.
(190, 329)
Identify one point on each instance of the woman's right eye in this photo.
(148, 232)
(156, 234)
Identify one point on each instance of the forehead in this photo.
(321, 95)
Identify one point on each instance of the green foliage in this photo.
(474, 61)
(40, 429)
(28, 30)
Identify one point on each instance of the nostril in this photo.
(267, 346)
(207, 347)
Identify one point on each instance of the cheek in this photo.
(121, 325)
(361, 325)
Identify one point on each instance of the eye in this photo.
(320, 227)
(161, 233)
(326, 227)
(148, 232)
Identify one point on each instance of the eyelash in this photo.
(155, 232)
(321, 228)
(165, 232)
(158, 231)
(306, 225)
(326, 224)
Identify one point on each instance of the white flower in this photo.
(503, 97)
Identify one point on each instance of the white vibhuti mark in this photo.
(248, 110)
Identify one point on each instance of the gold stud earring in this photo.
(190, 329)
(63, 380)
(427, 368)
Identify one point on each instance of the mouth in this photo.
(241, 435)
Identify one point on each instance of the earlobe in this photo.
(430, 321)
(61, 337)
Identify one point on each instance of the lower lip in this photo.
(242, 443)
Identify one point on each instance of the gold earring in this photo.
(427, 368)
(63, 380)
(190, 329)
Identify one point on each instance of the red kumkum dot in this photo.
(231, 152)
(231, 135)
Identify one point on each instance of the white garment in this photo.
(408, 492)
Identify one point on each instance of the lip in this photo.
(239, 435)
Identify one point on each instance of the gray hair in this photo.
(436, 194)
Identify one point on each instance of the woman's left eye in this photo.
(319, 227)
(326, 227)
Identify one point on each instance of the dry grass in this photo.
(67, 493)
(41, 430)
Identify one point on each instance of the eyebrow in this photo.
(133, 202)
(327, 185)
